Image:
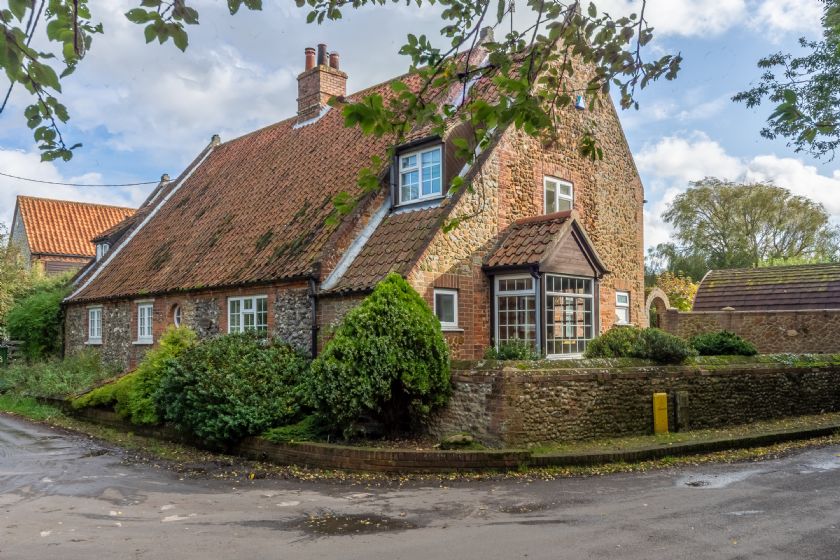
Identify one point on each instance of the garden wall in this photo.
(513, 406)
(772, 332)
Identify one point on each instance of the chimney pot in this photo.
(334, 60)
(310, 58)
(164, 178)
(322, 54)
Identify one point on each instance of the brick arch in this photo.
(657, 304)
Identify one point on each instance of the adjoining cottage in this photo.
(779, 308)
(56, 235)
(552, 253)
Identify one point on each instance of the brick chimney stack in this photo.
(320, 81)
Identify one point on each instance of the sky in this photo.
(144, 110)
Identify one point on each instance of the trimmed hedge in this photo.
(388, 361)
(646, 344)
(722, 343)
(232, 386)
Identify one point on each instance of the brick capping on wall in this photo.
(512, 406)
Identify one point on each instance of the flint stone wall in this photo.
(772, 332)
(512, 406)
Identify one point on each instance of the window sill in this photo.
(143, 342)
(94, 342)
(452, 329)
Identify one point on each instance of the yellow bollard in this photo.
(660, 413)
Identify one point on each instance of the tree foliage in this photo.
(36, 320)
(532, 68)
(728, 225)
(387, 360)
(15, 279)
(805, 89)
(679, 288)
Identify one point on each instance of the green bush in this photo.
(57, 378)
(133, 395)
(618, 342)
(646, 344)
(722, 343)
(513, 350)
(232, 386)
(36, 321)
(387, 360)
(308, 429)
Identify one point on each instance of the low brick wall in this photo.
(512, 406)
(772, 332)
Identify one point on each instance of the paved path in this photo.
(62, 497)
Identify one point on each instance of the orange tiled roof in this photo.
(528, 240)
(60, 227)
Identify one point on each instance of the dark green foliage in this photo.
(388, 360)
(233, 386)
(57, 378)
(646, 344)
(722, 343)
(664, 348)
(513, 350)
(133, 395)
(36, 321)
(308, 429)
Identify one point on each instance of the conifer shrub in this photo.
(229, 387)
(388, 361)
(133, 396)
(722, 343)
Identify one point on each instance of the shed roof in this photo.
(771, 288)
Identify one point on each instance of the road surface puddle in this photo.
(525, 508)
(331, 524)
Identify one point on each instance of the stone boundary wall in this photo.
(772, 332)
(511, 406)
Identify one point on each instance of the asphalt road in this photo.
(63, 497)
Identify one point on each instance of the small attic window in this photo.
(559, 195)
(420, 175)
(101, 249)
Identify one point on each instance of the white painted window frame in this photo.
(177, 315)
(101, 250)
(557, 195)
(145, 322)
(532, 292)
(447, 326)
(619, 305)
(240, 326)
(94, 335)
(419, 168)
(590, 296)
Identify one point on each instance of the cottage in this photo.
(56, 235)
(551, 251)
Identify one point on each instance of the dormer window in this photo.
(420, 175)
(559, 195)
(101, 249)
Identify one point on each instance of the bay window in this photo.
(516, 310)
(569, 316)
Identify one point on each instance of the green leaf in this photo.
(138, 15)
(180, 37)
(18, 8)
(44, 75)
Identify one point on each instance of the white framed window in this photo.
(516, 310)
(446, 308)
(145, 312)
(101, 250)
(420, 175)
(95, 325)
(559, 195)
(248, 314)
(176, 315)
(569, 314)
(622, 308)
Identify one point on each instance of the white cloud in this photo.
(669, 165)
(787, 16)
(28, 164)
(697, 18)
